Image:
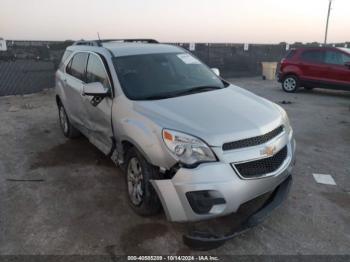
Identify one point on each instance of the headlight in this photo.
(187, 149)
(285, 118)
(286, 122)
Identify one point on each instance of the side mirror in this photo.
(347, 64)
(216, 71)
(95, 89)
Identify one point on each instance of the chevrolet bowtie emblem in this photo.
(268, 151)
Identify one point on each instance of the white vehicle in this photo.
(189, 141)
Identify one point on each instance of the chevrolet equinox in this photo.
(188, 141)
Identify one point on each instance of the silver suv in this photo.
(188, 141)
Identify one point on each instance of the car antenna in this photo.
(99, 39)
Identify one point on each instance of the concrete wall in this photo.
(29, 66)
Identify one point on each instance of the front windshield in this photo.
(157, 76)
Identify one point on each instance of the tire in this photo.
(141, 195)
(67, 128)
(290, 84)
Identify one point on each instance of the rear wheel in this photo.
(66, 127)
(290, 84)
(142, 197)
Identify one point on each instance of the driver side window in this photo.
(96, 72)
(336, 58)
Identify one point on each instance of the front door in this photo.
(338, 73)
(99, 116)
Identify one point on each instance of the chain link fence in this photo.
(29, 66)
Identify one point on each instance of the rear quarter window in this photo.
(65, 55)
(290, 54)
(77, 66)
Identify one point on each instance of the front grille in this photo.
(253, 141)
(261, 167)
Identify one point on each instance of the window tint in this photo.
(315, 56)
(64, 58)
(95, 71)
(77, 68)
(336, 58)
(165, 74)
(68, 68)
(290, 54)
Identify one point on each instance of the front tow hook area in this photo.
(205, 241)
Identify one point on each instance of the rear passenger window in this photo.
(77, 66)
(96, 72)
(314, 56)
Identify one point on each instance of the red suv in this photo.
(315, 67)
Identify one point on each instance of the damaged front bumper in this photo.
(206, 241)
(214, 189)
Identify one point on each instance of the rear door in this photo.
(74, 82)
(337, 73)
(99, 116)
(312, 65)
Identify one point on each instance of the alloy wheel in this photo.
(63, 120)
(290, 84)
(135, 181)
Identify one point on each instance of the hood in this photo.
(217, 116)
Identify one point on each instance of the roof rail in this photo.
(141, 40)
(99, 42)
(91, 43)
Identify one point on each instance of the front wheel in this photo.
(290, 84)
(142, 197)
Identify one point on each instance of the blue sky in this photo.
(252, 21)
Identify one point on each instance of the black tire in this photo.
(67, 128)
(147, 203)
(290, 84)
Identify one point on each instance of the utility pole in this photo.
(329, 12)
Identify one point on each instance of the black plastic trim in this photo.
(207, 240)
(253, 141)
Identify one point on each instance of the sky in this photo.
(248, 21)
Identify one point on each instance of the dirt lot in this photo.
(77, 205)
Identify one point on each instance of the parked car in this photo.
(315, 67)
(187, 140)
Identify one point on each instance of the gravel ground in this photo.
(76, 203)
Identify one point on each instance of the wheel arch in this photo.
(58, 100)
(126, 144)
(291, 74)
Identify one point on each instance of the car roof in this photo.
(323, 48)
(118, 48)
(126, 49)
(344, 49)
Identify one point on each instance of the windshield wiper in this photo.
(156, 97)
(192, 90)
(197, 89)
